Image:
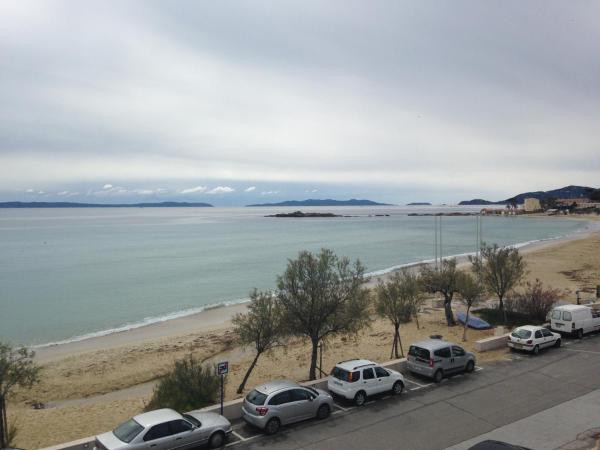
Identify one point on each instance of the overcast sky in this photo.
(233, 102)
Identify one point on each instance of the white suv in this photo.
(358, 378)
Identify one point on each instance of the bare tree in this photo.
(16, 369)
(260, 327)
(471, 293)
(395, 302)
(442, 279)
(500, 269)
(536, 301)
(321, 296)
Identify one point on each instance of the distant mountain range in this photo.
(102, 205)
(325, 202)
(565, 192)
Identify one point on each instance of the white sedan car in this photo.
(532, 338)
(165, 429)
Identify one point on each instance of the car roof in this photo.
(432, 344)
(529, 327)
(571, 307)
(276, 385)
(353, 364)
(155, 417)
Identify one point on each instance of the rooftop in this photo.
(352, 364)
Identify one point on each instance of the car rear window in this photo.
(256, 398)
(521, 333)
(418, 352)
(127, 431)
(344, 375)
(567, 315)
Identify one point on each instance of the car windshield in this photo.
(556, 314)
(256, 398)
(418, 352)
(127, 431)
(521, 333)
(192, 419)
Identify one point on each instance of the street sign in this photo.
(223, 368)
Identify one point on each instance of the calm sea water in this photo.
(66, 273)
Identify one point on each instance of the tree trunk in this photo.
(243, 385)
(501, 308)
(399, 342)
(417, 319)
(465, 327)
(312, 374)
(448, 310)
(3, 424)
(394, 345)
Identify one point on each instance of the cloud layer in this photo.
(417, 98)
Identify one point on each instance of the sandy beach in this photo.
(90, 386)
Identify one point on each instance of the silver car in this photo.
(165, 429)
(283, 402)
(435, 358)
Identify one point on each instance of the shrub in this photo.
(536, 301)
(190, 385)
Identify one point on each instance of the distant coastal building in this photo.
(532, 204)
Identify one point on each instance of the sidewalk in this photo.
(549, 429)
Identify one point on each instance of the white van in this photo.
(575, 319)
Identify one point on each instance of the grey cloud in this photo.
(437, 96)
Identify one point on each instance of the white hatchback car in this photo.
(356, 379)
(532, 338)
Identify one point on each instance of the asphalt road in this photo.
(431, 417)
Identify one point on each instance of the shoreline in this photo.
(212, 318)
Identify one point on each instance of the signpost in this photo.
(222, 370)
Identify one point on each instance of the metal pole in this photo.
(435, 240)
(441, 247)
(222, 393)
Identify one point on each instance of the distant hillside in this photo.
(565, 192)
(102, 205)
(419, 204)
(325, 202)
(479, 201)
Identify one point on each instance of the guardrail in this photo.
(232, 409)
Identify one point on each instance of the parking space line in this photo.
(477, 368)
(239, 436)
(370, 402)
(341, 407)
(418, 384)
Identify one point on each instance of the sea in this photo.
(72, 274)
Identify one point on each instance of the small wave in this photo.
(144, 322)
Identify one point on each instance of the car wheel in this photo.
(470, 367)
(323, 412)
(580, 334)
(360, 398)
(398, 388)
(217, 440)
(273, 426)
(536, 349)
(437, 377)
(557, 343)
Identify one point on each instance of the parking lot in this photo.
(436, 416)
